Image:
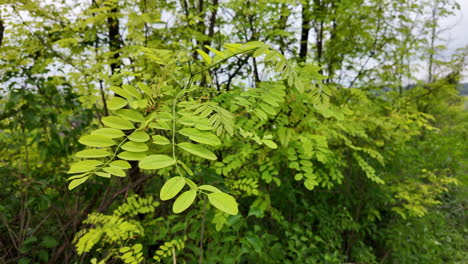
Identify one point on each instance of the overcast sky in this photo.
(457, 34)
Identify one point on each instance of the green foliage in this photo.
(206, 131)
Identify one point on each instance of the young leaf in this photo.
(92, 153)
(139, 136)
(73, 184)
(128, 155)
(117, 122)
(115, 171)
(269, 143)
(185, 167)
(223, 202)
(209, 188)
(120, 92)
(135, 146)
(197, 150)
(154, 162)
(184, 201)
(131, 90)
(203, 137)
(103, 174)
(172, 187)
(116, 103)
(144, 88)
(83, 166)
(205, 56)
(108, 132)
(130, 115)
(120, 164)
(160, 140)
(96, 141)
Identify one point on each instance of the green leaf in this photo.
(130, 115)
(135, 146)
(268, 109)
(203, 137)
(49, 242)
(154, 162)
(83, 166)
(92, 153)
(184, 201)
(103, 174)
(116, 103)
(117, 122)
(144, 88)
(128, 155)
(310, 184)
(223, 202)
(185, 167)
(73, 184)
(209, 188)
(96, 141)
(120, 164)
(269, 143)
(172, 187)
(131, 90)
(115, 171)
(205, 56)
(161, 140)
(139, 136)
(108, 132)
(197, 150)
(120, 92)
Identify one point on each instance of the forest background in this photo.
(208, 131)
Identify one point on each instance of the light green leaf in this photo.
(310, 184)
(92, 153)
(108, 132)
(184, 201)
(200, 136)
(120, 164)
(77, 176)
(103, 174)
(209, 188)
(96, 141)
(131, 90)
(144, 88)
(268, 109)
(115, 171)
(139, 136)
(130, 115)
(135, 146)
(223, 202)
(269, 143)
(197, 150)
(120, 92)
(73, 184)
(185, 167)
(217, 52)
(154, 162)
(83, 166)
(117, 122)
(161, 140)
(172, 187)
(116, 103)
(159, 124)
(128, 155)
(191, 184)
(205, 56)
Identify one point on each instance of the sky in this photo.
(456, 31)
